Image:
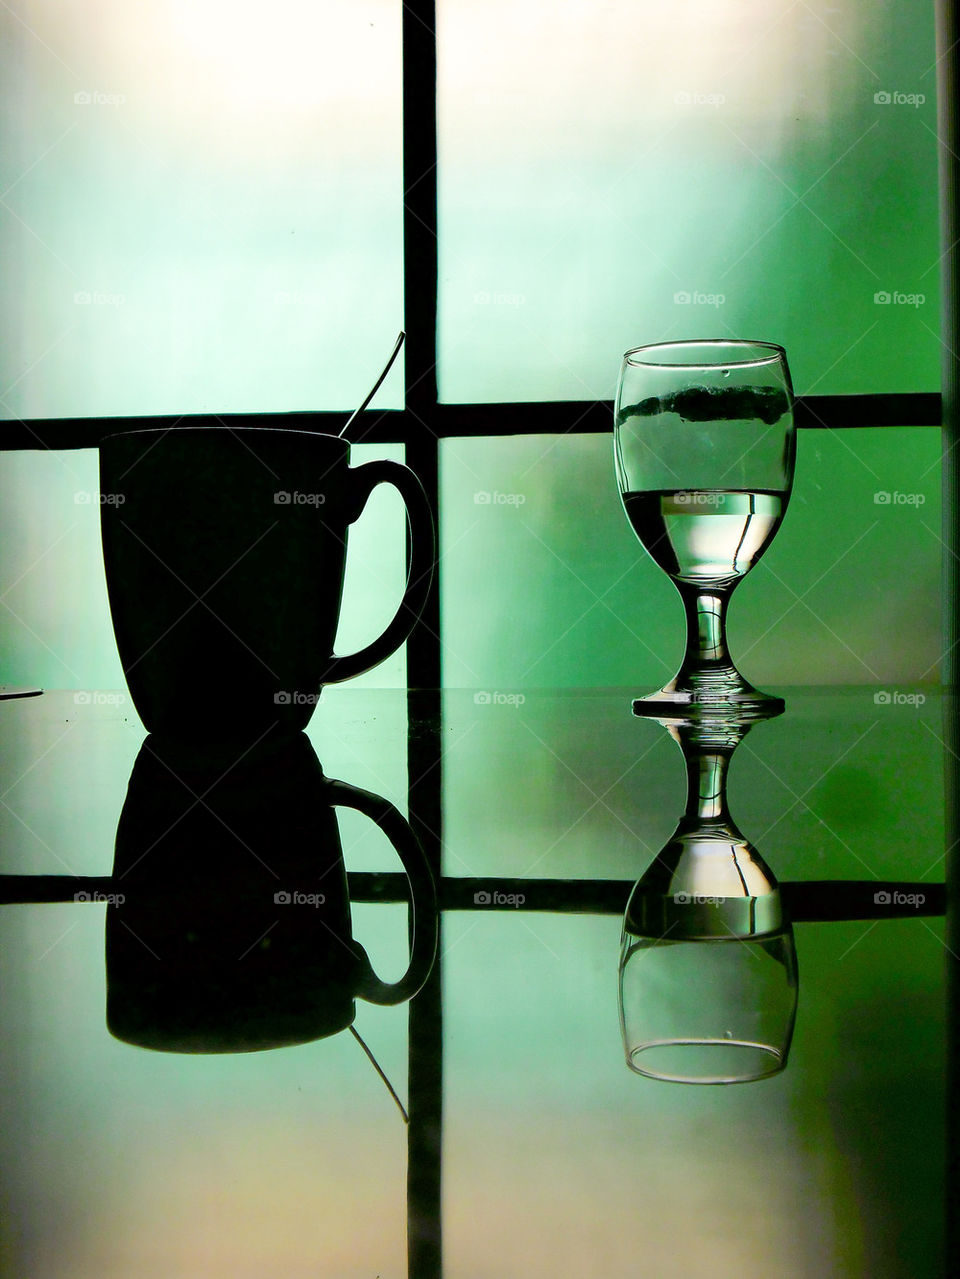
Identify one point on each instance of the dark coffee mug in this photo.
(224, 553)
(230, 924)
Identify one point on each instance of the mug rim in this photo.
(226, 430)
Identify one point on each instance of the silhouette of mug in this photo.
(224, 552)
(230, 928)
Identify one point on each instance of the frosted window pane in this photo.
(535, 1089)
(546, 585)
(620, 173)
(202, 208)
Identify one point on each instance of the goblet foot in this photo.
(709, 692)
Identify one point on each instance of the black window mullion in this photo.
(425, 421)
(420, 274)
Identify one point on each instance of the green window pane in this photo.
(640, 1176)
(545, 583)
(626, 173)
(202, 208)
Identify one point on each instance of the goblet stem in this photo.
(706, 612)
(707, 680)
(706, 789)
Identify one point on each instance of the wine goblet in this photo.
(704, 445)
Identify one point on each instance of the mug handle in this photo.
(423, 896)
(423, 544)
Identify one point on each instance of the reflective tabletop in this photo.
(184, 1093)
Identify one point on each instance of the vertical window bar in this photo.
(420, 295)
(420, 265)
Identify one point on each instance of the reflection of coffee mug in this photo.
(224, 553)
(231, 926)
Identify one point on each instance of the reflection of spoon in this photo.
(376, 386)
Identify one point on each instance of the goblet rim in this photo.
(776, 354)
(775, 1055)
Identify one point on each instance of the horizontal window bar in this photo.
(806, 901)
(400, 426)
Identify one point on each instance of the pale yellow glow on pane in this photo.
(297, 56)
(168, 1166)
(639, 62)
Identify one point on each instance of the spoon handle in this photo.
(376, 386)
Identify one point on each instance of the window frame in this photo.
(423, 423)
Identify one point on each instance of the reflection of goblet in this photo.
(708, 970)
(704, 446)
